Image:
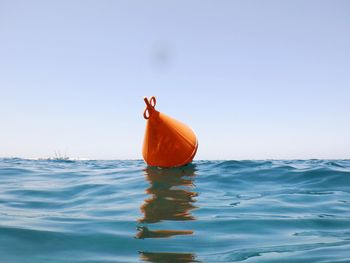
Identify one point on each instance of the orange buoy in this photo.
(167, 142)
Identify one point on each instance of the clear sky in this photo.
(254, 79)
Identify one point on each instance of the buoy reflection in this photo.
(171, 198)
(167, 257)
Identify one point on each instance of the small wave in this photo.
(210, 211)
(239, 255)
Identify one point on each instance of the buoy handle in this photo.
(150, 104)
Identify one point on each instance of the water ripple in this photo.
(210, 211)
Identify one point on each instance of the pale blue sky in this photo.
(254, 79)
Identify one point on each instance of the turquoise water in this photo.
(211, 211)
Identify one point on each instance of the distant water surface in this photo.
(210, 211)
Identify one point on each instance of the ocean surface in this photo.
(209, 211)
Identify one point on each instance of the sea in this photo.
(208, 211)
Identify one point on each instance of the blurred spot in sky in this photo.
(161, 55)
